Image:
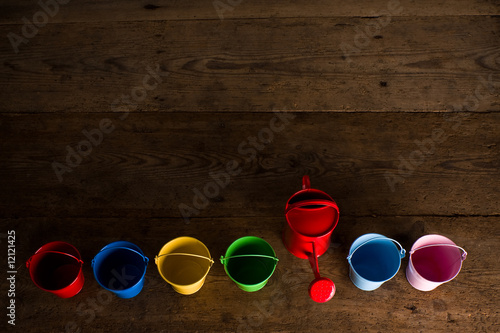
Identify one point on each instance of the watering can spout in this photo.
(321, 289)
(313, 260)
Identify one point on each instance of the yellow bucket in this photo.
(184, 263)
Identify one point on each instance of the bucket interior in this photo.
(54, 271)
(377, 260)
(119, 269)
(182, 269)
(437, 263)
(250, 270)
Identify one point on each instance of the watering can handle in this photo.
(402, 252)
(312, 202)
(66, 254)
(184, 254)
(146, 259)
(464, 254)
(222, 259)
(306, 183)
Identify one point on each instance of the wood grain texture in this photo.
(153, 162)
(399, 126)
(411, 64)
(468, 303)
(172, 10)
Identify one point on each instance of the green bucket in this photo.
(249, 262)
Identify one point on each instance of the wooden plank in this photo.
(370, 163)
(160, 10)
(467, 304)
(411, 64)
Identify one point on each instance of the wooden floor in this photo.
(391, 107)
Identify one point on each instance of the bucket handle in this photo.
(222, 259)
(184, 254)
(146, 259)
(402, 252)
(464, 254)
(64, 253)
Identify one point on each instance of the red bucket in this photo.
(311, 216)
(56, 267)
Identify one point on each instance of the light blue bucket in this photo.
(120, 267)
(374, 259)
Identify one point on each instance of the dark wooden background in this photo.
(433, 67)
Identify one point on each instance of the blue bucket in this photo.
(120, 267)
(374, 259)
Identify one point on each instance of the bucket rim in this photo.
(178, 239)
(372, 237)
(106, 248)
(367, 238)
(115, 246)
(255, 284)
(78, 276)
(28, 262)
(122, 243)
(425, 242)
(431, 239)
(43, 247)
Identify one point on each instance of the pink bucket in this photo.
(434, 260)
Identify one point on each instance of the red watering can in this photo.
(311, 216)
